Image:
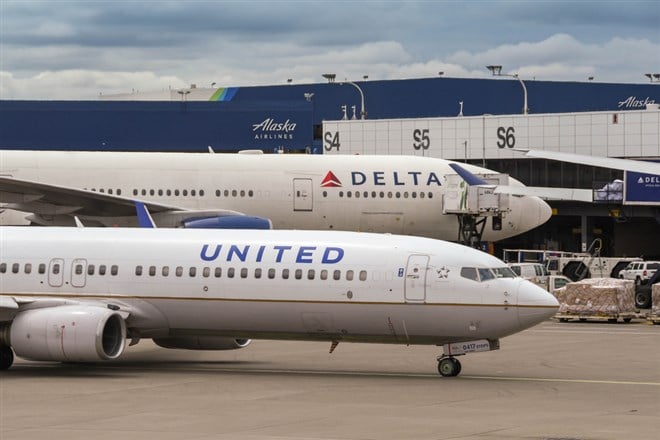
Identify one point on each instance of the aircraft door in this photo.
(56, 272)
(415, 289)
(78, 272)
(302, 195)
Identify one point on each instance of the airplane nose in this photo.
(535, 304)
(534, 212)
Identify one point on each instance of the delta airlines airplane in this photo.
(79, 294)
(402, 194)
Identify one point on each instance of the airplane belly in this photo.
(356, 322)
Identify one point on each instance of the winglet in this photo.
(144, 218)
(469, 178)
(79, 224)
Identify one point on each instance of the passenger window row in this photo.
(257, 273)
(177, 192)
(56, 268)
(192, 272)
(382, 194)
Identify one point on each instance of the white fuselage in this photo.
(270, 284)
(402, 195)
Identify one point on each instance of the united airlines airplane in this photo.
(403, 194)
(80, 294)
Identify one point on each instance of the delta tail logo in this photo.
(330, 181)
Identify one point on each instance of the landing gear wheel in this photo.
(6, 357)
(449, 367)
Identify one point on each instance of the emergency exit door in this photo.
(415, 288)
(302, 195)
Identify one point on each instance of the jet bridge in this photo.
(474, 204)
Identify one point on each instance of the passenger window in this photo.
(324, 274)
(244, 272)
(102, 269)
(206, 272)
(363, 275)
(192, 272)
(298, 274)
(336, 275)
(114, 269)
(15, 267)
(79, 269)
(56, 269)
(3, 267)
(470, 273)
(152, 271)
(218, 272)
(285, 274)
(192, 192)
(165, 271)
(271, 273)
(42, 268)
(230, 272)
(27, 268)
(310, 274)
(349, 275)
(138, 270)
(257, 273)
(90, 269)
(178, 271)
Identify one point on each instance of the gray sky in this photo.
(78, 49)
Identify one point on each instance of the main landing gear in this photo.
(6, 357)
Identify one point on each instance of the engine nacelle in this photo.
(202, 342)
(73, 333)
(228, 222)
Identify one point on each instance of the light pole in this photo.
(331, 79)
(653, 77)
(363, 110)
(497, 71)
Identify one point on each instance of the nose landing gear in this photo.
(448, 366)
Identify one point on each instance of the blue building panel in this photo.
(290, 116)
(641, 189)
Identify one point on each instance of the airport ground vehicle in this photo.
(643, 291)
(639, 271)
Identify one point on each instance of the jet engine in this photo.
(75, 333)
(202, 342)
(228, 222)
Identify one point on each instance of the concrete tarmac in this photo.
(564, 381)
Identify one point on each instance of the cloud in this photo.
(60, 48)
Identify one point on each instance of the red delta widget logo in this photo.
(382, 178)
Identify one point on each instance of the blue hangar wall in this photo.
(289, 116)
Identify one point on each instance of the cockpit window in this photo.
(481, 274)
(504, 272)
(486, 274)
(470, 273)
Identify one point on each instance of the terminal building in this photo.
(480, 121)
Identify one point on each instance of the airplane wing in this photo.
(638, 166)
(47, 200)
(547, 193)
